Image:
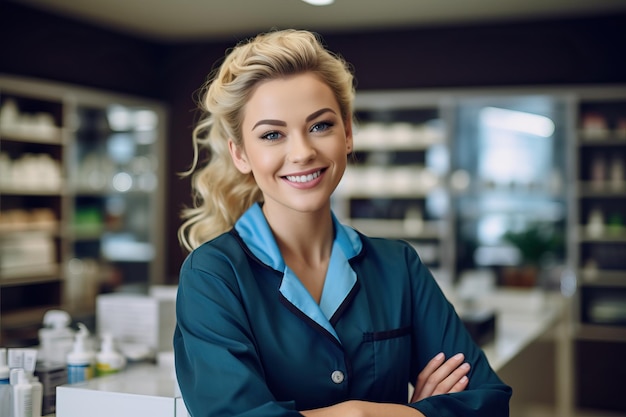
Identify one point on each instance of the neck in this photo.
(306, 238)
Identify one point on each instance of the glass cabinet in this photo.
(81, 200)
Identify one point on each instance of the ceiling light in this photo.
(319, 2)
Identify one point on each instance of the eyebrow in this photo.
(282, 123)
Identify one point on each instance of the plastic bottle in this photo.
(22, 395)
(5, 388)
(4, 368)
(37, 399)
(108, 360)
(56, 338)
(81, 360)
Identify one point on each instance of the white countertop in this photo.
(522, 316)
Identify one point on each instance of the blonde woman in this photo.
(282, 310)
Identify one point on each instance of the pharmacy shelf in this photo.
(50, 133)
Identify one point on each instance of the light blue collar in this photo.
(340, 278)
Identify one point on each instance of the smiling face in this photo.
(295, 143)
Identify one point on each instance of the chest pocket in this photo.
(391, 358)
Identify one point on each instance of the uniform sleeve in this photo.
(438, 328)
(217, 367)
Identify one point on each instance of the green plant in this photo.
(536, 241)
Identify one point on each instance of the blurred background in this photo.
(490, 134)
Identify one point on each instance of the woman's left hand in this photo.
(439, 377)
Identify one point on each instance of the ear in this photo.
(349, 138)
(239, 157)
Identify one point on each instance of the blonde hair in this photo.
(221, 194)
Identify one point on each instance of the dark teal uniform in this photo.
(251, 341)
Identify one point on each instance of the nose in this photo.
(301, 150)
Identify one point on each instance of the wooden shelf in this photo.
(601, 333)
(25, 317)
(608, 139)
(607, 189)
(33, 274)
(606, 237)
(603, 278)
(400, 229)
(49, 135)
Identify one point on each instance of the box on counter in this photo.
(138, 319)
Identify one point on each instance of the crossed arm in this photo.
(440, 376)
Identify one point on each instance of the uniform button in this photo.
(337, 377)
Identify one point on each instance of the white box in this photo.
(136, 319)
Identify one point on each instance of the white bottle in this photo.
(37, 395)
(108, 360)
(56, 338)
(22, 396)
(81, 360)
(5, 388)
(4, 368)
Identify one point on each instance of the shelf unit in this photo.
(394, 186)
(600, 245)
(81, 174)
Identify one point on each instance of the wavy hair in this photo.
(221, 194)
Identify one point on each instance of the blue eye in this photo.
(321, 126)
(271, 136)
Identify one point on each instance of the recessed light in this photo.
(319, 2)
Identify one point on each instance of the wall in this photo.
(572, 51)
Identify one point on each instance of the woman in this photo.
(283, 311)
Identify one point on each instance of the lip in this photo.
(305, 179)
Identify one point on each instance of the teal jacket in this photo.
(251, 342)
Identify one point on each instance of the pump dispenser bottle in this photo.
(55, 337)
(108, 360)
(81, 360)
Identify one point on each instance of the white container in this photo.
(81, 360)
(108, 360)
(37, 399)
(56, 338)
(22, 396)
(4, 368)
(138, 321)
(5, 388)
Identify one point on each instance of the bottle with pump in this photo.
(108, 360)
(55, 337)
(81, 360)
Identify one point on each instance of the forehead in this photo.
(289, 98)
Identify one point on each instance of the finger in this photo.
(454, 381)
(432, 381)
(428, 370)
(460, 386)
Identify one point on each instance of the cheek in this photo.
(264, 162)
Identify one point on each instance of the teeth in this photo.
(303, 178)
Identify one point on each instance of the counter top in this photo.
(522, 316)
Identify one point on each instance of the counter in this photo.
(523, 316)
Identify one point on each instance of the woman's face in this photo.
(295, 143)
